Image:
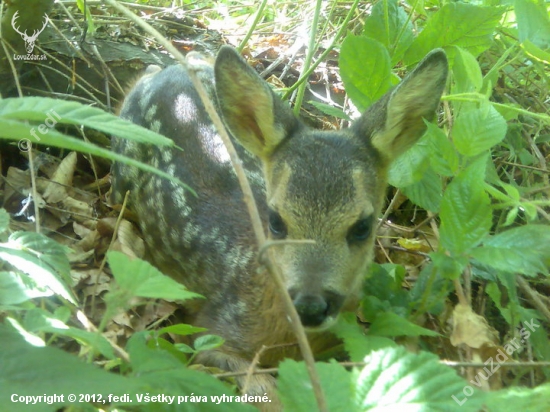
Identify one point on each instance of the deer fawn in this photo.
(327, 186)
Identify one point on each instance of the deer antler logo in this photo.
(29, 40)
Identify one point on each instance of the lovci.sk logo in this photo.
(30, 40)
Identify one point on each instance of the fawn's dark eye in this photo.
(360, 231)
(276, 225)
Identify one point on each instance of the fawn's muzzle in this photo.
(315, 309)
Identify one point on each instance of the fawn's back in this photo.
(326, 186)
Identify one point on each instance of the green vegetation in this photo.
(479, 177)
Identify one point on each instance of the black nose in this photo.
(313, 309)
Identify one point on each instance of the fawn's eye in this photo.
(276, 225)
(360, 231)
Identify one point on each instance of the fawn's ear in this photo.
(258, 119)
(398, 116)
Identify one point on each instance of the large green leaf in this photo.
(356, 343)
(16, 112)
(426, 193)
(390, 25)
(49, 111)
(517, 398)
(396, 380)
(478, 130)
(456, 24)
(524, 249)
(442, 154)
(295, 391)
(365, 69)
(409, 168)
(141, 279)
(467, 73)
(42, 260)
(166, 375)
(27, 370)
(465, 210)
(533, 22)
(392, 325)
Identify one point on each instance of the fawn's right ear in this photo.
(257, 118)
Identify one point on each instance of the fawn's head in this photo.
(325, 186)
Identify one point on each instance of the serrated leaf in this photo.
(442, 154)
(43, 260)
(426, 193)
(20, 130)
(456, 24)
(466, 214)
(467, 73)
(533, 22)
(62, 111)
(391, 325)
(38, 320)
(142, 279)
(409, 168)
(164, 374)
(13, 290)
(34, 371)
(356, 343)
(295, 391)
(4, 220)
(180, 329)
(394, 380)
(478, 130)
(329, 110)
(517, 398)
(208, 342)
(390, 25)
(365, 68)
(524, 249)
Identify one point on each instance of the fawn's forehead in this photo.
(324, 174)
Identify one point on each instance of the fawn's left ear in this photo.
(399, 114)
(258, 119)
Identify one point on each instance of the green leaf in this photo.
(49, 111)
(38, 320)
(409, 168)
(16, 112)
(390, 25)
(456, 24)
(180, 329)
(34, 371)
(13, 289)
(465, 210)
(467, 73)
(535, 52)
(294, 387)
(426, 193)
(165, 374)
(356, 343)
(365, 69)
(4, 220)
(442, 154)
(517, 398)
(141, 279)
(329, 110)
(478, 130)
(524, 249)
(396, 380)
(533, 22)
(43, 260)
(208, 342)
(391, 325)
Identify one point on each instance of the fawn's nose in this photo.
(314, 309)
